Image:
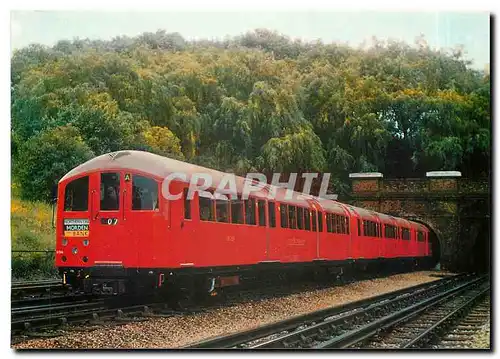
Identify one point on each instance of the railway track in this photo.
(42, 288)
(348, 325)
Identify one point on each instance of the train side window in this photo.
(320, 221)
(338, 224)
(314, 226)
(206, 208)
(110, 191)
(236, 210)
(284, 215)
(300, 218)
(144, 193)
(272, 214)
(329, 227)
(406, 234)
(292, 219)
(390, 231)
(346, 225)
(222, 210)
(359, 227)
(420, 236)
(187, 204)
(76, 195)
(307, 219)
(342, 224)
(262, 212)
(250, 211)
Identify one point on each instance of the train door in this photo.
(144, 218)
(184, 221)
(107, 219)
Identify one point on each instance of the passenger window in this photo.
(406, 234)
(76, 195)
(187, 204)
(110, 191)
(320, 221)
(292, 220)
(300, 218)
(347, 225)
(307, 219)
(342, 224)
(206, 208)
(222, 210)
(236, 211)
(359, 227)
(262, 212)
(250, 211)
(329, 227)
(313, 219)
(144, 193)
(420, 236)
(272, 214)
(284, 215)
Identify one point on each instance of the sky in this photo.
(441, 29)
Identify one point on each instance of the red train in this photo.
(117, 233)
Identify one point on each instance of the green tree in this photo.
(46, 158)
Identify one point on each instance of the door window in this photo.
(144, 193)
(110, 191)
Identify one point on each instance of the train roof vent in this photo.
(118, 154)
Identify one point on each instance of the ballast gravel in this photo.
(178, 331)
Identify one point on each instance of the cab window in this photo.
(110, 191)
(144, 193)
(76, 195)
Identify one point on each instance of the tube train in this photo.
(116, 233)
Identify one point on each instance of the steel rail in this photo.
(236, 339)
(370, 329)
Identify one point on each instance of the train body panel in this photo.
(112, 214)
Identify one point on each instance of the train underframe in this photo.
(211, 281)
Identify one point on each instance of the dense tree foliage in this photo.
(259, 101)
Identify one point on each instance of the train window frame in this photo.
(283, 215)
(307, 219)
(237, 203)
(261, 207)
(271, 213)
(252, 213)
(221, 199)
(329, 222)
(155, 205)
(212, 207)
(118, 192)
(292, 217)
(405, 234)
(65, 204)
(188, 208)
(300, 217)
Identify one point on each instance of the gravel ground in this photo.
(482, 339)
(182, 330)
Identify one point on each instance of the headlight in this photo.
(74, 250)
(64, 241)
(85, 242)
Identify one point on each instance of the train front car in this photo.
(103, 210)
